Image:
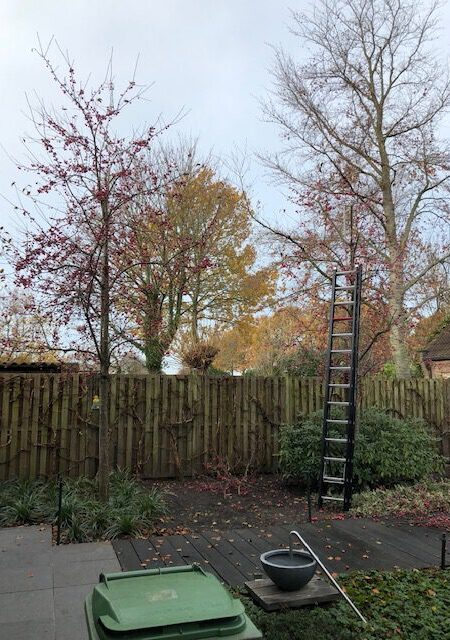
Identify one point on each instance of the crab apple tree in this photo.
(83, 180)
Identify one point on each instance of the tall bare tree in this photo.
(359, 119)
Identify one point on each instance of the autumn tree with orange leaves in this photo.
(293, 341)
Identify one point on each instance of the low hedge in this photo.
(418, 502)
(388, 451)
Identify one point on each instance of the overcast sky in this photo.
(208, 57)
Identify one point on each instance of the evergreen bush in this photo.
(389, 450)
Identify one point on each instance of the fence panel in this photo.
(172, 426)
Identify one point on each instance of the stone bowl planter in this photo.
(288, 572)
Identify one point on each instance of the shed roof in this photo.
(439, 347)
(22, 365)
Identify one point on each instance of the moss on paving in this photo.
(406, 605)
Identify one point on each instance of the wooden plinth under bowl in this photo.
(271, 598)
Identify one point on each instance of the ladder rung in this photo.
(331, 459)
(337, 440)
(341, 335)
(339, 384)
(344, 318)
(340, 402)
(345, 273)
(336, 421)
(341, 303)
(345, 288)
(341, 368)
(332, 480)
(332, 498)
(341, 350)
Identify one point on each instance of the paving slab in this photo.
(29, 630)
(70, 622)
(25, 536)
(27, 556)
(78, 573)
(84, 552)
(22, 536)
(43, 587)
(27, 605)
(72, 628)
(69, 601)
(26, 579)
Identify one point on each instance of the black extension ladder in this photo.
(339, 415)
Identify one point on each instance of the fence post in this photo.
(445, 426)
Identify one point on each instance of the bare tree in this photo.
(359, 120)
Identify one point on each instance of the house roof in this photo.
(22, 365)
(439, 347)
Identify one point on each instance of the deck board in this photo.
(233, 555)
(224, 566)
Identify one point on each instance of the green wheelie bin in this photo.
(172, 603)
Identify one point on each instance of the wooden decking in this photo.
(233, 555)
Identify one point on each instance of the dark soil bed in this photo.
(206, 503)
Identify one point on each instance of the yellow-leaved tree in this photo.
(227, 285)
(290, 340)
(195, 264)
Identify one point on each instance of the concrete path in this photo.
(43, 587)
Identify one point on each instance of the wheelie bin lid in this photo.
(163, 602)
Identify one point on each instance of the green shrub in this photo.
(388, 450)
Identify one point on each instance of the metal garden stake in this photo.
(327, 573)
(60, 491)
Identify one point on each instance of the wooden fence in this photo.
(169, 426)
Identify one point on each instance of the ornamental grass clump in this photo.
(22, 502)
(131, 509)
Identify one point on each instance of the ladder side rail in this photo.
(348, 486)
(327, 388)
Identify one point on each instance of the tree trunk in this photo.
(194, 311)
(104, 390)
(400, 352)
(194, 325)
(398, 333)
(104, 436)
(154, 355)
(399, 330)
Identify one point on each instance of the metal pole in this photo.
(328, 574)
(309, 501)
(443, 550)
(60, 491)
